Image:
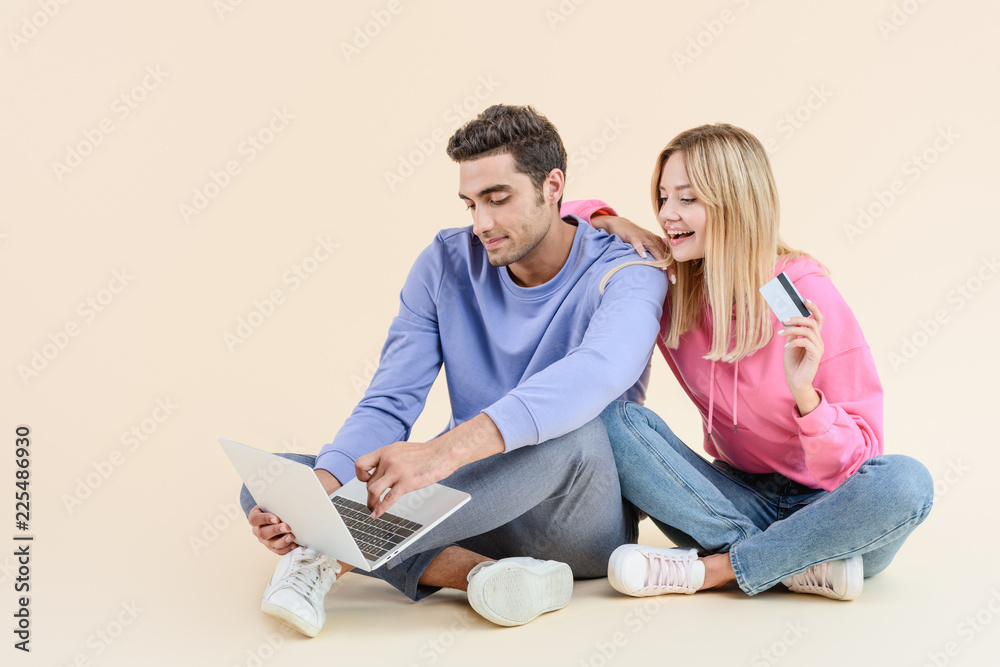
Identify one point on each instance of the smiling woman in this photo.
(801, 419)
(682, 214)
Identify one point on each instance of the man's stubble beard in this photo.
(525, 247)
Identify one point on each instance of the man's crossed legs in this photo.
(538, 517)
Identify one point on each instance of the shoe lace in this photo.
(667, 572)
(312, 570)
(816, 576)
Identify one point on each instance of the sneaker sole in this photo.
(514, 594)
(286, 617)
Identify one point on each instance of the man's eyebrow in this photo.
(503, 187)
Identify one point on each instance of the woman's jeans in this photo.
(771, 527)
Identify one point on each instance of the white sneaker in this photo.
(294, 596)
(838, 579)
(641, 571)
(513, 591)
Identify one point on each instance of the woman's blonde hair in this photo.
(730, 173)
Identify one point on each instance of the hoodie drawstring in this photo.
(736, 382)
(711, 401)
(711, 398)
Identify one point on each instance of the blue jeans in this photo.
(558, 500)
(771, 527)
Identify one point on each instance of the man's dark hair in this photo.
(521, 131)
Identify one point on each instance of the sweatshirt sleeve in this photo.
(611, 356)
(585, 208)
(410, 361)
(845, 430)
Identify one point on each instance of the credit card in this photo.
(783, 298)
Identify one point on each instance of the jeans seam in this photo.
(628, 421)
(752, 489)
(740, 579)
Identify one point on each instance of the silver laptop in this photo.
(339, 525)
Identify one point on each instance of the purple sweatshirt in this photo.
(540, 361)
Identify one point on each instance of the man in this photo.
(533, 352)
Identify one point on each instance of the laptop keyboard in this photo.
(375, 538)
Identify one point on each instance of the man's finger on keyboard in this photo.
(375, 490)
(388, 501)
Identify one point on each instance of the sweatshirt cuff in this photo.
(338, 464)
(514, 421)
(819, 421)
(586, 209)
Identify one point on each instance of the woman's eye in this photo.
(662, 200)
(688, 201)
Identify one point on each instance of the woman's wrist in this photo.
(602, 220)
(806, 400)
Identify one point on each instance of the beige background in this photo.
(607, 75)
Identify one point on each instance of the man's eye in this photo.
(499, 202)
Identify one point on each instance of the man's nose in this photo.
(482, 221)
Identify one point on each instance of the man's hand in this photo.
(407, 466)
(269, 529)
(271, 532)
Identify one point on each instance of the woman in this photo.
(799, 492)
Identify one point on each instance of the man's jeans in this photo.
(771, 527)
(558, 500)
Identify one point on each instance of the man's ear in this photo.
(552, 188)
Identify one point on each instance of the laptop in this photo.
(339, 525)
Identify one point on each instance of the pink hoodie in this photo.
(754, 422)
